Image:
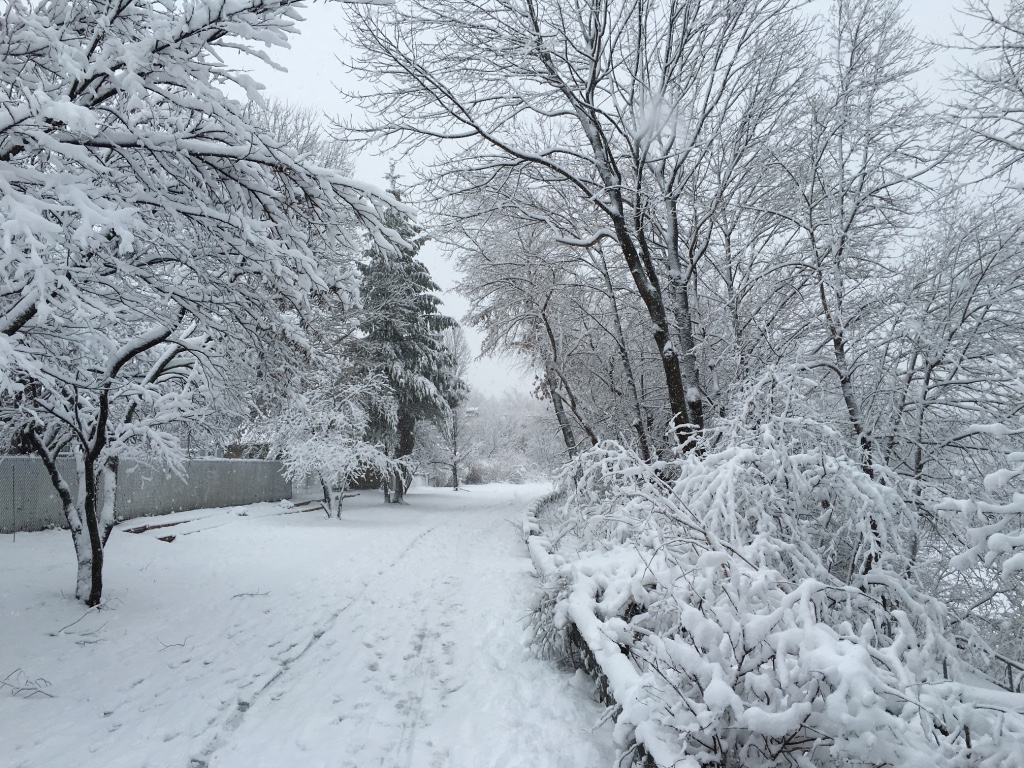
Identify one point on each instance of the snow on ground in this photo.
(266, 636)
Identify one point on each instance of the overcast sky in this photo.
(315, 70)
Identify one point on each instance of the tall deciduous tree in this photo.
(451, 425)
(863, 143)
(613, 102)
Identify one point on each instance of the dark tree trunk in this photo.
(563, 420)
(682, 425)
(679, 284)
(333, 498)
(688, 362)
(406, 433)
(845, 374)
(641, 267)
(93, 527)
(397, 486)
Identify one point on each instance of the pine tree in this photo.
(402, 339)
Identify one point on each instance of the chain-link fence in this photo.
(28, 501)
(307, 487)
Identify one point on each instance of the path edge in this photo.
(617, 678)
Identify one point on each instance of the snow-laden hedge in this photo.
(755, 607)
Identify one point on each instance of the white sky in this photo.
(315, 70)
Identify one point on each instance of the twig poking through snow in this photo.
(250, 594)
(96, 607)
(91, 633)
(22, 684)
(173, 645)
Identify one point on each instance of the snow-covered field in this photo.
(265, 636)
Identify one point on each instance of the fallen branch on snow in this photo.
(21, 684)
(96, 607)
(173, 645)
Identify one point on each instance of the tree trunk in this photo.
(563, 421)
(620, 342)
(401, 480)
(83, 555)
(406, 433)
(688, 360)
(398, 486)
(454, 420)
(642, 270)
(332, 499)
(684, 320)
(92, 526)
(845, 374)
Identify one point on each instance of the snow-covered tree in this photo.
(156, 241)
(602, 101)
(861, 146)
(321, 433)
(401, 339)
(450, 425)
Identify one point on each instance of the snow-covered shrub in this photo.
(321, 432)
(985, 577)
(548, 638)
(766, 596)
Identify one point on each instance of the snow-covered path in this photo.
(391, 638)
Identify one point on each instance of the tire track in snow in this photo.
(414, 708)
(235, 719)
(426, 659)
(429, 671)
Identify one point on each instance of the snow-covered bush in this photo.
(321, 432)
(767, 599)
(984, 578)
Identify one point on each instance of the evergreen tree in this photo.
(402, 340)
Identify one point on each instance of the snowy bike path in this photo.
(392, 638)
(427, 668)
